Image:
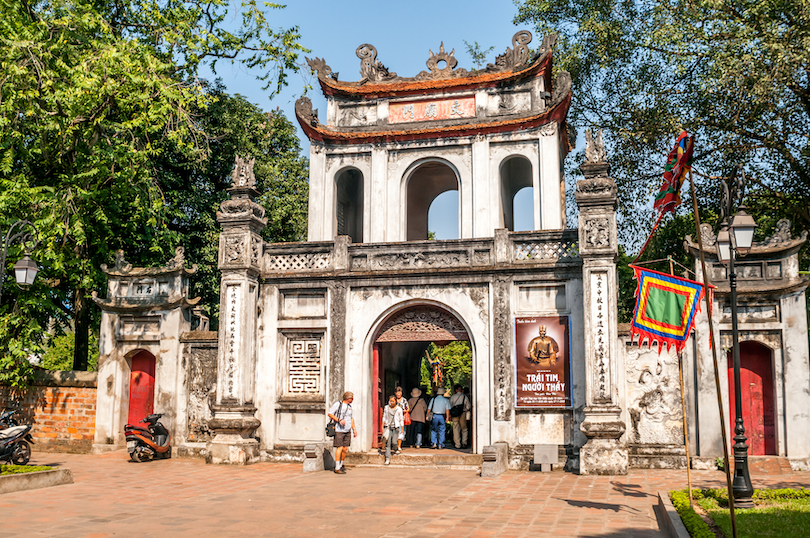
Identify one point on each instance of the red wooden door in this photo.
(141, 387)
(756, 381)
(376, 396)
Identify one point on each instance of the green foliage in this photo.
(734, 74)
(478, 54)
(195, 184)
(778, 513)
(92, 94)
(19, 469)
(58, 354)
(692, 521)
(457, 360)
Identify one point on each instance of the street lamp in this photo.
(25, 270)
(736, 240)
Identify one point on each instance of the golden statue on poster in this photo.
(543, 349)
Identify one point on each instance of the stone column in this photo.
(604, 453)
(240, 253)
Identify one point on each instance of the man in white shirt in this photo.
(459, 405)
(341, 413)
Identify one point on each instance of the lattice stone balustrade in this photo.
(285, 263)
(545, 250)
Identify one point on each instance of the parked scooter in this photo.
(15, 447)
(7, 420)
(148, 443)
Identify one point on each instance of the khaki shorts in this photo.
(343, 438)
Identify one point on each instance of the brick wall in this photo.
(61, 406)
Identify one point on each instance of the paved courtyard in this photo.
(112, 497)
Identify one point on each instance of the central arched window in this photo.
(349, 204)
(425, 184)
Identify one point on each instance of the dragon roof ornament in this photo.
(373, 71)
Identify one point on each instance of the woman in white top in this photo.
(393, 422)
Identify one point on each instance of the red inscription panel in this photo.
(437, 109)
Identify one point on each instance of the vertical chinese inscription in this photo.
(600, 321)
(231, 343)
(304, 364)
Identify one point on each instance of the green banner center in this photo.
(665, 306)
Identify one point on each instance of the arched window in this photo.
(425, 184)
(349, 204)
(517, 195)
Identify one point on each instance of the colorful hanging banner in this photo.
(665, 308)
(678, 164)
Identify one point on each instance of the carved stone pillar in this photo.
(604, 453)
(240, 253)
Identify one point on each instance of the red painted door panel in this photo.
(757, 398)
(141, 387)
(376, 391)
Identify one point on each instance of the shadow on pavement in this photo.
(631, 490)
(625, 533)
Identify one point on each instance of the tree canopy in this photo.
(735, 74)
(92, 94)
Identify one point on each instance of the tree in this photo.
(456, 360)
(735, 74)
(478, 54)
(89, 93)
(195, 184)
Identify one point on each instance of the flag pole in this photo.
(714, 358)
(683, 408)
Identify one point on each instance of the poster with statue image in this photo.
(542, 363)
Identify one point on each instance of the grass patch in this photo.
(782, 513)
(18, 469)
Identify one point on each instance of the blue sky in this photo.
(403, 33)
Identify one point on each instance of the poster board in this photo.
(542, 362)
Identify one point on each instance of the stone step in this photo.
(445, 459)
(768, 465)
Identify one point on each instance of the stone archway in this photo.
(399, 346)
(422, 323)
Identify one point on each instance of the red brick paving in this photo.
(114, 498)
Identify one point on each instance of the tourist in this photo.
(341, 413)
(440, 409)
(459, 407)
(403, 404)
(418, 411)
(393, 423)
(469, 418)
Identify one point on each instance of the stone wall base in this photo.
(657, 457)
(521, 458)
(603, 457)
(232, 449)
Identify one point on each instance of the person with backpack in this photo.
(341, 413)
(459, 407)
(392, 424)
(439, 416)
(418, 409)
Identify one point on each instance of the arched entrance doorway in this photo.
(399, 349)
(141, 386)
(758, 409)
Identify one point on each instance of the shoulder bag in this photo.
(387, 424)
(406, 415)
(429, 414)
(330, 427)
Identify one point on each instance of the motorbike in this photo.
(7, 420)
(144, 444)
(15, 444)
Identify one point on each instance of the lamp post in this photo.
(732, 240)
(25, 270)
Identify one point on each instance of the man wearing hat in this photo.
(418, 411)
(440, 409)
